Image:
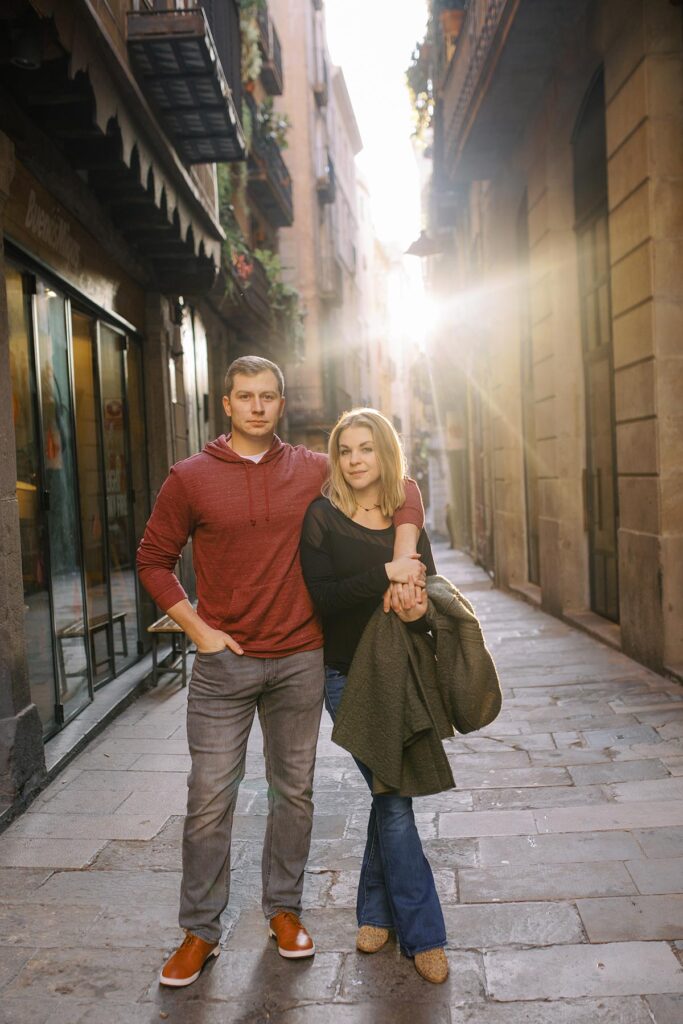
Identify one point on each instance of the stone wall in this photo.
(638, 44)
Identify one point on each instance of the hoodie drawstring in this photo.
(252, 513)
(250, 496)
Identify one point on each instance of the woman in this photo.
(346, 555)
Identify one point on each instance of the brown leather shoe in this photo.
(293, 941)
(186, 964)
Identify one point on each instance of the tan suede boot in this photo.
(370, 938)
(432, 965)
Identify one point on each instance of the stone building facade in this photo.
(320, 250)
(557, 207)
(120, 307)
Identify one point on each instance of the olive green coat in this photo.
(407, 691)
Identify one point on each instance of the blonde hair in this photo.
(390, 457)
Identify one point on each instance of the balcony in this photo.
(174, 58)
(271, 51)
(326, 182)
(165, 232)
(256, 297)
(321, 83)
(331, 280)
(270, 184)
(502, 63)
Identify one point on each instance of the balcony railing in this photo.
(270, 183)
(271, 50)
(250, 302)
(175, 59)
(482, 20)
(321, 83)
(326, 182)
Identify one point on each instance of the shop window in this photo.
(82, 493)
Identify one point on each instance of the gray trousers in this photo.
(225, 690)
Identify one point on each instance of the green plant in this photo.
(421, 86)
(284, 300)
(251, 58)
(272, 124)
(235, 251)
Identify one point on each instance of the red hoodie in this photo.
(245, 521)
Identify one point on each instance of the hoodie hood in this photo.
(220, 449)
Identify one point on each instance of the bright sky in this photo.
(373, 40)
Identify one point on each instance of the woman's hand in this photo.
(406, 569)
(418, 610)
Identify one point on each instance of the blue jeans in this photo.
(396, 887)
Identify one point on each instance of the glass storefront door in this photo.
(61, 487)
(120, 531)
(81, 490)
(90, 463)
(31, 498)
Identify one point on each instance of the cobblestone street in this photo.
(559, 861)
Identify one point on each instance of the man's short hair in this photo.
(250, 366)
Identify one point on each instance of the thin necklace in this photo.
(371, 509)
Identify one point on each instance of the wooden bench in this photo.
(96, 624)
(166, 627)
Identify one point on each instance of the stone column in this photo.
(644, 94)
(664, 35)
(22, 758)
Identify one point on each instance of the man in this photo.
(259, 646)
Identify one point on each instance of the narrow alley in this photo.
(559, 861)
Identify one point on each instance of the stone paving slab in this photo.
(630, 1010)
(12, 962)
(543, 796)
(599, 969)
(18, 884)
(648, 789)
(110, 888)
(43, 926)
(389, 976)
(367, 1013)
(657, 876)
(240, 975)
(88, 826)
(610, 816)
(487, 823)
(512, 924)
(517, 778)
(549, 848)
(48, 853)
(623, 771)
(667, 1009)
(94, 974)
(660, 842)
(81, 801)
(632, 917)
(544, 882)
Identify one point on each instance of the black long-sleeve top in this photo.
(343, 566)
